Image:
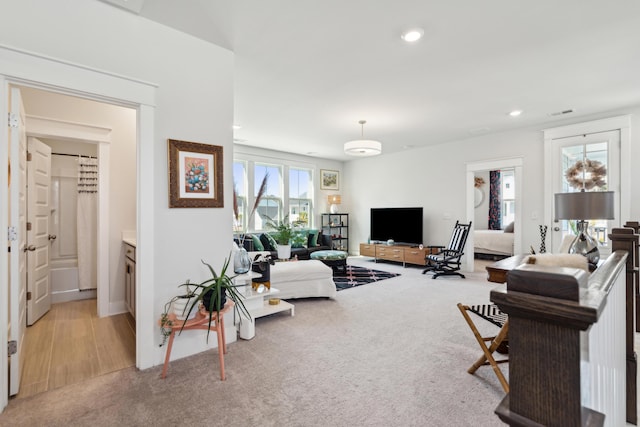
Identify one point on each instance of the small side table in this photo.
(201, 321)
(257, 304)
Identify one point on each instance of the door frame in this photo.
(41, 127)
(515, 163)
(23, 68)
(619, 123)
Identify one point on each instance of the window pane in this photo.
(240, 187)
(274, 183)
(577, 177)
(270, 205)
(300, 196)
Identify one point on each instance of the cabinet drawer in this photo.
(391, 254)
(130, 252)
(367, 250)
(415, 256)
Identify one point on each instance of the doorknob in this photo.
(556, 228)
(52, 237)
(30, 248)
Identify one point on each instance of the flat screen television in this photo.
(402, 225)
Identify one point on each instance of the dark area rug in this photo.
(356, 276)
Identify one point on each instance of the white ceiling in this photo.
(307, 71)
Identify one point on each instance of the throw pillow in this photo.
(509, 228)
(272, 241)
(266, 243)
(319, 241)
(299, 239)
(313, 238)
(257, 244)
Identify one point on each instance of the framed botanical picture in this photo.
(329, 180)
(195, 175)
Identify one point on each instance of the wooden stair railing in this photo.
(635, 226)
(627, 239)
(548, 308)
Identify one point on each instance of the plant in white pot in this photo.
(282, 235)
(177, 310)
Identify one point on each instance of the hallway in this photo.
(71, 344)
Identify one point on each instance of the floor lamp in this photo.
(583, 206)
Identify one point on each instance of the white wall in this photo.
(194, 102)
(434, 177)
(122, 174)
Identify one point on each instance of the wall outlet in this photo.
(446, 215)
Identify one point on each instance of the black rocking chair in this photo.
(446, 262)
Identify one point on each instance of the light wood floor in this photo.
(71, 344)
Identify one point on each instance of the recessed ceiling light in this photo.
(515, 113)
(412, 35)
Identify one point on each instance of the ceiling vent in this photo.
(561, 113)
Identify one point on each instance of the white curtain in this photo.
(87, 222)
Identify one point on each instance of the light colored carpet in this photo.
(390, 353)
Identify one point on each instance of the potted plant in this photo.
(282, 235)
(175, 310)
(213, 294)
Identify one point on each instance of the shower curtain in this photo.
(87, 222)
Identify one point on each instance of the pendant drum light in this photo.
(363, 147)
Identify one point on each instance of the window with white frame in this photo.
(288, 190)
(508, 197)
(300, 201)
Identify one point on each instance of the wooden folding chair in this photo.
(490, 313)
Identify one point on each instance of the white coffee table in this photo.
(257, 304)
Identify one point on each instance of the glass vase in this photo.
(241, 261)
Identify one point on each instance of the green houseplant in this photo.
(175, 311)
(282, 235)
(212, 294)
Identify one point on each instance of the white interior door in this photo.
(38, 211)
(17, 219)
(603, 147)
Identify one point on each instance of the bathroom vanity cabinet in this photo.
(130, 278)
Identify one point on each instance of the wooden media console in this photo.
(406, 254)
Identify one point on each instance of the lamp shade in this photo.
(334, 199)
(363, 147)
(584, 205)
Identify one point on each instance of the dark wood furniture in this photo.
(547, 311)
(497, 272)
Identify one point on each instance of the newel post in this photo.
(626, 239)
(546, 314)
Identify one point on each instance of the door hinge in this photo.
(28, 226)
(13, 120)
(12, 347)
(28, 296)
(28, 156)
(12, 233)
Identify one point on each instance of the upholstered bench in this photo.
(334, 259)
(302, 279)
